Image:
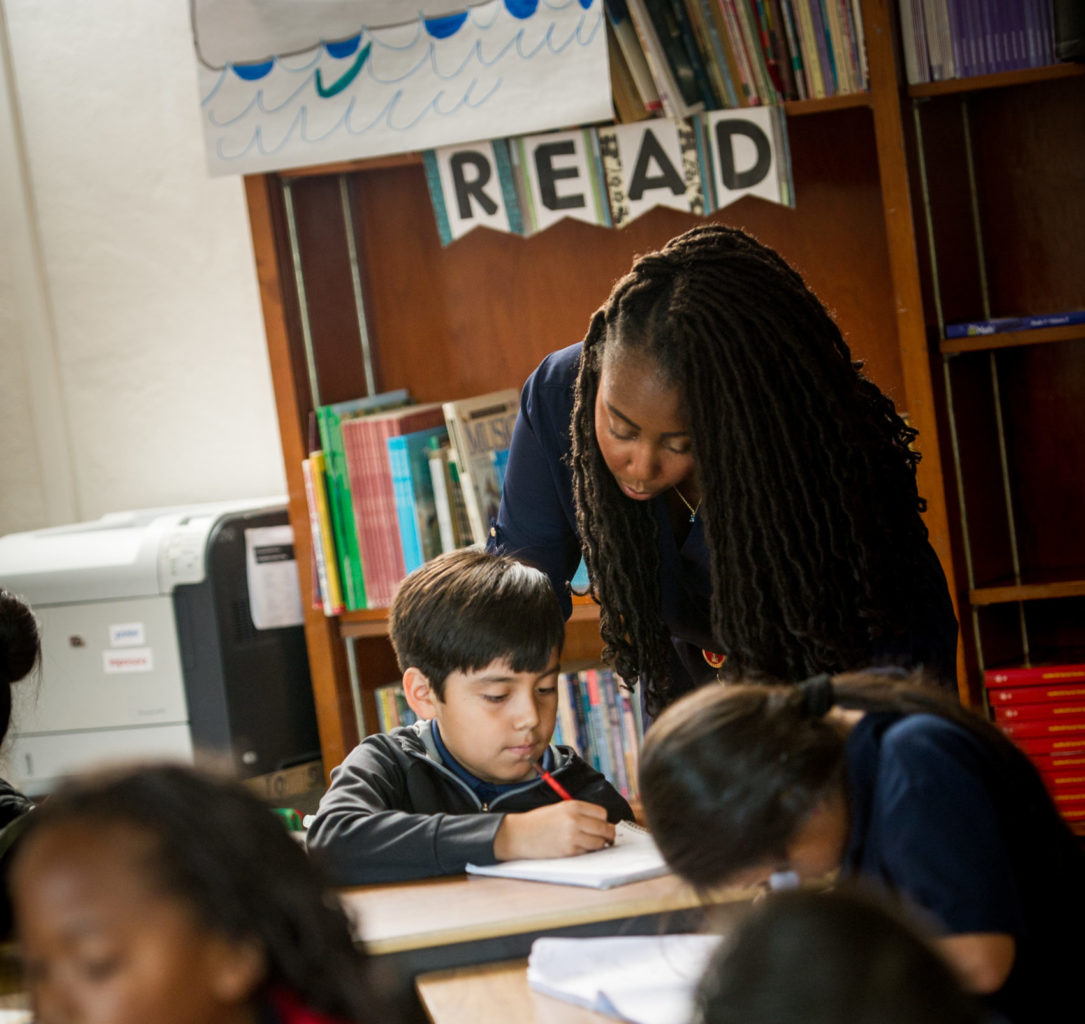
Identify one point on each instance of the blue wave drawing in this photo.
(396, 80)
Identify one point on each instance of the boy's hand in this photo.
(556, 830)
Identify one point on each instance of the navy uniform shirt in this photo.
(970, 838)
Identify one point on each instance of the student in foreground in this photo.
(477, 637)
(844, 957)
(888, 780)
(158, 894)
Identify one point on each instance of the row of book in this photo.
(1042, 709)
(597, 717)
(960, 38)
(390, 484)
(676, 57)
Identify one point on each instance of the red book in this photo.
(373, 493)
(1038, 694)
(1045, 727)
(1070, 783)
(1033, 745)
(1035, 675)
(1038, 712)
(1060, 762)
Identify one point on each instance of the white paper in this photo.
(352, 80)
(632, 857)
(645, 979)
(751, 142)
(274, 590)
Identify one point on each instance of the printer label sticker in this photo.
(134, 659)
(272, 571)
(127, 634)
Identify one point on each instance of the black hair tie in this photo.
(818, 695)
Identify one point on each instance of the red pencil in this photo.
(553, 783)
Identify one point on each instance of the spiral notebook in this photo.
(632, 857)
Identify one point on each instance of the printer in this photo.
(169, 633)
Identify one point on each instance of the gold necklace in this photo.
(692, 509)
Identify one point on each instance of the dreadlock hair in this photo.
(807, 477)
(218, 849)
(729, 774)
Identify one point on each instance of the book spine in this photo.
(599, 725)
(804, 22)
(718, 49)
(629, 43)
(738, 49)
(630, 738)
(1062, 745)
(794, 50)
(767, 46)
(821, 40)
(614, 731)
(687, 46)
(860, 44)
(747, 22)
(318, 465)
(1038, 712)
(341, 510)
(320, 598)
(1044, 728)
(670, 95)
(409, 537)
(1037, 694)
(1036, 674)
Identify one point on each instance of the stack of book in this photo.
(392, 709)
(676, 57)
(959, 38)
(1042, 709)
(390, 484)
(602, 720)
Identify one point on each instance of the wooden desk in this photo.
(458, 920)
(495, 994)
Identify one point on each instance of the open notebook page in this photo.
(632, 857)
(646, 979)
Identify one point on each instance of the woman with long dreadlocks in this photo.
(744, 498)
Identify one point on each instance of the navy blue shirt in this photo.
(537, 522)
(971, 839)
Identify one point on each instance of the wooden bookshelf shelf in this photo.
(999, 80)
(1011, 339)
(1036, 590)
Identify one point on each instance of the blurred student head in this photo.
(836, 957)
(161, 894)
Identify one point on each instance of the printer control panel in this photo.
(181, 553)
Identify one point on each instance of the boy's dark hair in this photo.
(218, 849)
(840, 957)
(728, 774)
(807, 475)
(20, 649)
(466, 608)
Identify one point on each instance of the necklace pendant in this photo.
(693, 518)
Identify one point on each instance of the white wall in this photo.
(134, 367)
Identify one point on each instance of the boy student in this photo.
(477, 637)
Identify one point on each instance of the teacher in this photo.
(744, 498)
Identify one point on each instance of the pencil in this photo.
(553, 783)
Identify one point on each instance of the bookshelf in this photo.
(358, 295)
(999, 163)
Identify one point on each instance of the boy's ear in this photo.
(420, 696)
(236, 968)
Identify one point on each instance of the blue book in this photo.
(999, 325)
(412, 486)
